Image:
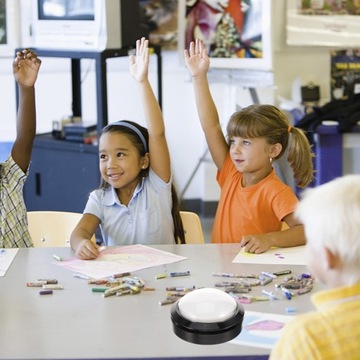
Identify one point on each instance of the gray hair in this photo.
(331, 217)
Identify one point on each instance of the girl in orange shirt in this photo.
(254, 201)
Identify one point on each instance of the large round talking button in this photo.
(207, 316)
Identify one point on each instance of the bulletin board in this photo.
(329, 23)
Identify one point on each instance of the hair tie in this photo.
(289, 129)
(133, 128)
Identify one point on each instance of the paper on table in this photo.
(261, 329)
(287, 256)
(120, 259)
(6, 258)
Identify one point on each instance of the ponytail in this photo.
(300, 157)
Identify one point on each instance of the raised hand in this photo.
(26, 67)
(196, 58)
(139, 63)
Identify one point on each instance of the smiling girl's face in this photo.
(120, 161)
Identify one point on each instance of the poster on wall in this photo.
(236, 33)
(9, 32)
(323, 23)
(345, 73)
(161, 17)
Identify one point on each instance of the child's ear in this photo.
(275, 150)
(145, 161)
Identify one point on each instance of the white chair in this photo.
(192, 227)
(52, 228)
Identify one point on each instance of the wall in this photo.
(185, 138)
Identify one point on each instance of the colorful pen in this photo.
(183, 273)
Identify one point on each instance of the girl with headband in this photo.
(135, 203)
(254, 201)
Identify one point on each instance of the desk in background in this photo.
(76, 323)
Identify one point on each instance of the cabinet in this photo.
(63, 173)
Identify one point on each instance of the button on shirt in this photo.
(13, 219)
(146, 220)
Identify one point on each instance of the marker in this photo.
(36, 283)
(176, 293)
(305, 276)
(134, 281)
(45, 292)
(99, 289)
(260, 298)
(101, 248)
(184, 273)
(180, 288)
(271, 295)
(53, 286)
(244, 300)
(48, 281)
(160, 276)
(283, 272)
(287, 293)
(273, 276)
(57, 257)
(125, 292)
(81, 276)
(133, 288)
(167, 301)
(116, 276)
(249, 276)
(98, 281)
(266, 281)
(292, 285)
(113, 290)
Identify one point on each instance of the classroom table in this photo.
(76, 323)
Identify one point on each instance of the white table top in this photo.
(76, 323)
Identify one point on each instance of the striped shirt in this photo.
(332, 332)
(13, 218)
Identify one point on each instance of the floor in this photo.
(207, 223)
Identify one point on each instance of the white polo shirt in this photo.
(146, 220)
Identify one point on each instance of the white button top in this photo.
(207, 306)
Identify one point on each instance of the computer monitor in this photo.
(92, 25)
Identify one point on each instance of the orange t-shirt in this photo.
(256, 209)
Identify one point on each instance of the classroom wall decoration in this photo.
(345, 73)
(237, 33)
(162, 19)
(323, 23)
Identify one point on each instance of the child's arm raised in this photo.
(158, 149)
(198, 62)
(25, 69)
